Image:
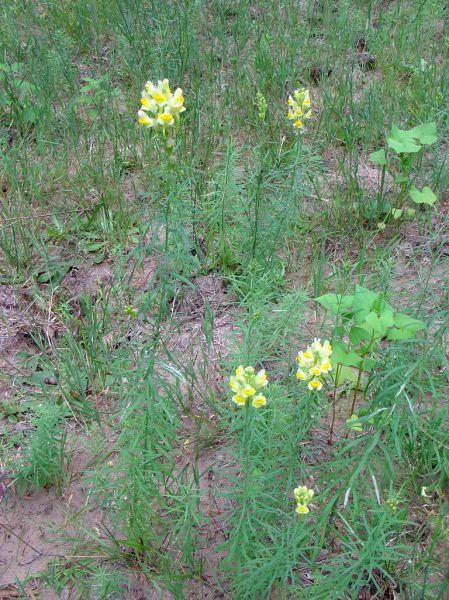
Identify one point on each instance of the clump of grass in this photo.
(43, 463)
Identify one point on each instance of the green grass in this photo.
(222, 257)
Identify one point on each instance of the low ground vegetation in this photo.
(224, 299)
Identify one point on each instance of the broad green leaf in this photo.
(380, 305)
(424, 197)
(363, 300)
(341, 355)
(369, 363)
(378, 325)
(335, 302)
(341, 374)
(378, 157)
(400, 334)
(405, 327)
(426, 133)
(402, 141)
(359, 334)
(403, 320)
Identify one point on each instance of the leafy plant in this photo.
(406, 146)
(363, 320)
(17, 95)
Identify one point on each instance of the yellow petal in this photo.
(259, 401)
(248, 391)
(159, 98)
(144, 119)
(165, 119)
(239, 400)
(302, 510)
(315, 384)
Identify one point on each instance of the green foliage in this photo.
(17, 95)
(405, 144)
(135, 285)
(363, 320)
(44, 463)
(366, 316)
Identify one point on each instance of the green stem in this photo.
(359, 377)
(257, 209)
(334, 403)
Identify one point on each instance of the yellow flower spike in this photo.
(163, 106)
(261, 106)
(246, 383)
(303, 496)
(298, 103)
(314, 363)
(259, 401)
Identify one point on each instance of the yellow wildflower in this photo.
(246, 384)
(313, 363)
(298, 103)
(302, 510)
(303, 496)
(259, 400)
(160, 108)
(315, 384)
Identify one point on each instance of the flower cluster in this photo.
(245, 385)
(160, 108)
(261, 106)
(393, 502)
(313, 363)
(130, 311)
(299, 107)
(303, 497)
